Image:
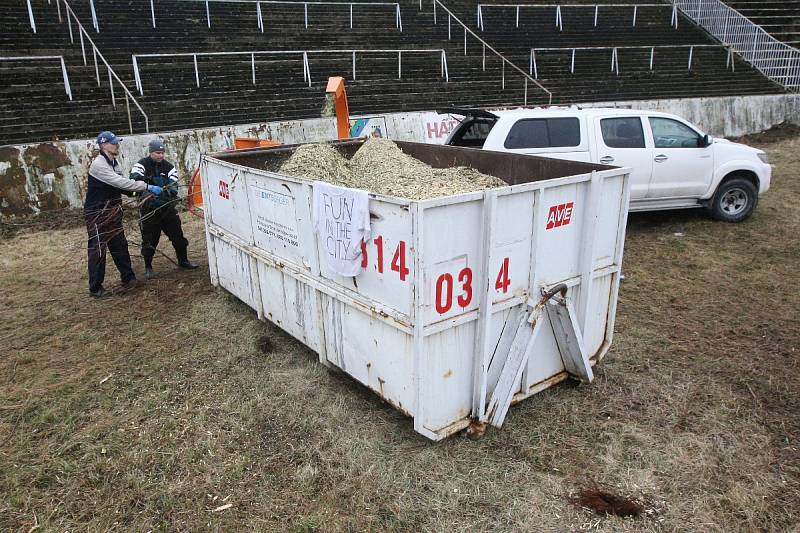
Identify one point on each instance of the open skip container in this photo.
(468, 303)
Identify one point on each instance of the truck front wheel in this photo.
(734, 200)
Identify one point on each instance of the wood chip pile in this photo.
(380, 166)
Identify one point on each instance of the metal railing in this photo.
(534, 70)
(112, 76)
(486, 46)
(302, 53)
(774, 59)
(258, 11)
(64, 74)
(559, 20)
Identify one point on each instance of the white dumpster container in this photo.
(447, 322)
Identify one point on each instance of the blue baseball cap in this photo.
(107, 137)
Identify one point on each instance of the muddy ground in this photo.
(170, 407)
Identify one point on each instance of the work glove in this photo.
(155, 189)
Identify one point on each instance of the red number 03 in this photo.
(444, 290)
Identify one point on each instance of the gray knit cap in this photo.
(156, 145)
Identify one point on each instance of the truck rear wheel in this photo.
(734, 200)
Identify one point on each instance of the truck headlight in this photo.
(763, 157)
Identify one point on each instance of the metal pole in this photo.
(69, 25)
(354, 65)
(83, 49)
(128, 109)
(305, 13)
(399, 65)
(253, 65)
(66, 78)
(504, 75)
(465, 41)
(596, 10)
(449, 37)
(94, 16)
(30, 16)
(652, 54)
(260, 17)
(111, 88)
(58, 8)
(351, 17)
(484, 56)
(634, 15)
(136, 78)
(196, 73)
(96, 68)
(572, 64)
(434, 11)
(535, 66)
(446, 73)
(525, 98)
(208, 16)
(517, 17)
(153, 13)
(558, 18)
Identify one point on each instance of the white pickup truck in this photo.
(674, 164)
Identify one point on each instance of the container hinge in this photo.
(568, 336)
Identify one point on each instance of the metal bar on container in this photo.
(196, 73)
(418, 340)
(30, 16)
(153, 13)
(589, 240)
(111, 88)
(64, 74)
(483, 342)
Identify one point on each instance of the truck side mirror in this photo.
(706, 141)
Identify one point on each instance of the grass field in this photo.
(170, 407)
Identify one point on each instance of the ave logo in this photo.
(223, 190)
(559, 215)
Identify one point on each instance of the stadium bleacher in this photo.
(35, 106)
(781, 19)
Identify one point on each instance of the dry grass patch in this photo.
(153, 408)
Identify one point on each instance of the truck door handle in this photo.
(660, 158)
(606, 159)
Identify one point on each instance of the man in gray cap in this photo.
(158, 211)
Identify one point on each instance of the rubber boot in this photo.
(183, 260)
(148, 268)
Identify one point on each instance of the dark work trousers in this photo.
(104, 227)
(153, 222)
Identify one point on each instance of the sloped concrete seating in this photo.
(226, 94)
(781, 19)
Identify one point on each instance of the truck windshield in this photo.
(472, 132)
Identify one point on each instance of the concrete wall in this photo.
(48, 176)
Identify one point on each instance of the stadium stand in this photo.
(781, 19)
(35, 107)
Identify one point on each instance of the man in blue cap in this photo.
(158, 211)
(102, 211)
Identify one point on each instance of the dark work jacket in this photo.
(162, 174)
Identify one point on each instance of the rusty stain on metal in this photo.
(476, 429)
